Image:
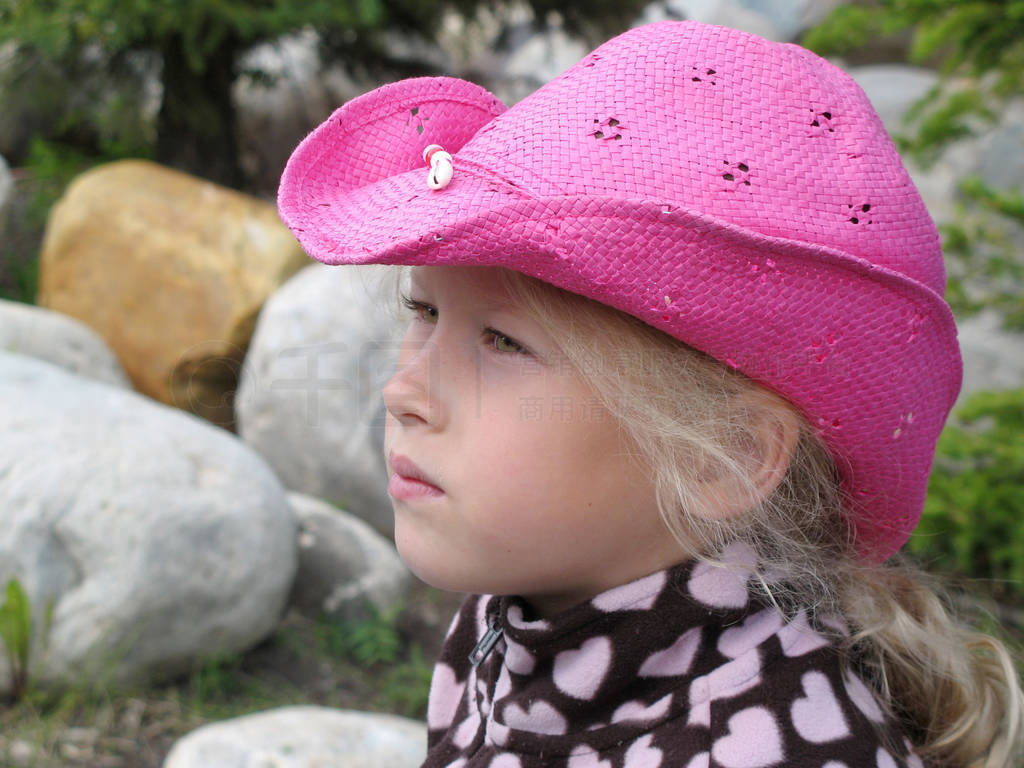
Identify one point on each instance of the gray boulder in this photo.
(781, 20)
(345, 566)
(538, 58)
(303, 737)
(790, 17)
(993, 356)
(53, 336)
(156, 537)
(309, 393)
(728, 13)
(1000, 156)
(893, 89)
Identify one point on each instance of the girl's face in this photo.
(536, 493)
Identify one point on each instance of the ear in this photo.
(774, 428)
(779, 431)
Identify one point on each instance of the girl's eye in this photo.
(497, 340)
(418, 307)
(503, 343)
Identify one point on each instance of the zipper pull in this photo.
(487, 642)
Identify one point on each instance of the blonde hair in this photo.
(954, 689)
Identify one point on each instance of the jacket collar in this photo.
(623, 662)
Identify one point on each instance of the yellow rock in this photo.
(172, 271)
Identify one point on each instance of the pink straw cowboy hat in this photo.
(740, 195)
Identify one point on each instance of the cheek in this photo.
(392, 431)
(536, 472)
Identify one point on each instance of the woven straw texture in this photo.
(739, 194)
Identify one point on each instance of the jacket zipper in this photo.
(487, 642)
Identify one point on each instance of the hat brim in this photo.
(815, 324)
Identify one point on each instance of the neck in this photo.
(549, 605)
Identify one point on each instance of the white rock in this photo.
(343, 563)
(791, 17)
(781, 20)
(156, 536)
(544, 56)
(993, 357)
(53, 336)
(725, 12)
(22, 752)
(309, 392)
(303, 737)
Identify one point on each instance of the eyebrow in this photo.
(503, 303)
(499, 303)
(486, 303)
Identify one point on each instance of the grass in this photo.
(380, 664)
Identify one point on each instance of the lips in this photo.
(405, 467)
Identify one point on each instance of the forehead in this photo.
(468, 285)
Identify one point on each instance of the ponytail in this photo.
(955, 688)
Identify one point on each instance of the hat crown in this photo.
(762, 135)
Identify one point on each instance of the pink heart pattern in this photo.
(587, 759)
(483, 700)
(751, 633)
(506, 761)
(730, 679)
(674, 660)
(518, 659)
(635, 710)
(497, 733)
(637, 595)
(504, 685)
(752, 741)
(467, 730)
(642, 755)
(445, 693)
(724, 586)
(579, 673)
(862, 698)
(818, 717)
(541, 717)
(798, 638)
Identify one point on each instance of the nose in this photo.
(411, 395)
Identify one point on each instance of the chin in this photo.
(439, 577)
(440, 569)
(430, 565)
